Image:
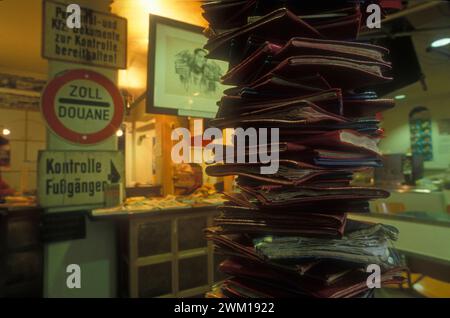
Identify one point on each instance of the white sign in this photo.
(82, 106)
(77, 177)
(100, 39)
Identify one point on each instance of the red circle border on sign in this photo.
(53, 122)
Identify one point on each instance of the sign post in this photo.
(82, 121)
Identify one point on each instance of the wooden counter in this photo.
(163, 253)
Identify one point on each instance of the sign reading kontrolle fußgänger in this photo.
(77, 177)
(100, 41)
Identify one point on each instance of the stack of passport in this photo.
(296, 66)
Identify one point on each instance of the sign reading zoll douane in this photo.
(77, 177)
(101, 39)
(82, 107)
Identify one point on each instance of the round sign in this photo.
(82, 106)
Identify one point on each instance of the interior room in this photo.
(116, 122)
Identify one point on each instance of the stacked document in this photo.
(296, 70)
(301, 266)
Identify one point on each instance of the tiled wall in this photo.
(27, 137)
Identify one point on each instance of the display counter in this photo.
(163, 252)
(422, 240)
(416, 199)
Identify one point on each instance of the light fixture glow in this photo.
(441, 42)
(6, 132)
(399, 97)
(119, 133)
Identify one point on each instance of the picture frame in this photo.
(181, 80)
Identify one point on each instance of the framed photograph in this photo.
(181, 80)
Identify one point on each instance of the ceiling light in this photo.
(119, 133)
(6, 132)
(441, 42)
(399, 97)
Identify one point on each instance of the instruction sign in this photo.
(101, 39)
(77, 177)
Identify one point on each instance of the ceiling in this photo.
(436, 67)
(20, 38)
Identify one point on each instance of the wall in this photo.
(27, 137)
(139, 151)
(436, 68)
(396, 124)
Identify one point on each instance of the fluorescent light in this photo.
(399, 97)
(441, 42)
(6, 132)
(119, 133)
